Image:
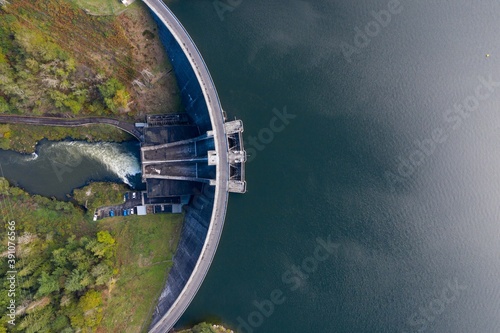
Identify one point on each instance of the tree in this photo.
(105, 237)
(4, 106)
(73, 282)
(70, 65)
(73, 105)
(60, 323)
(114, 94)
(97, 248)
(203, 328)
(80, 259)
(31, 265)
(121, 98)
(108, 89)
(88, 313)
(102, 273)
(91, 300)
(105, 246)
(3, 59)
(60, 257)
(4, 186)
(48, 284)
(37, 321)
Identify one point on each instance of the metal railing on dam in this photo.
(204, 220)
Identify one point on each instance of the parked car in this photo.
(111, 213)
(133, 195)
(125, 213)
(132, 211)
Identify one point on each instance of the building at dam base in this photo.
(196, 154)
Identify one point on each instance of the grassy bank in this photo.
(24, 138)
(76, 274)
(144, 255)
(57, 60)
(100, 194)
(207, 328)
(101, 7)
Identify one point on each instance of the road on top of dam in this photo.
(222, 175)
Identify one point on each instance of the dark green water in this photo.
(381, 157)
(389, 154)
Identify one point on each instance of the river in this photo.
(56, 168)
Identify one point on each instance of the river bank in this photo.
(75, 273)
(56, 60)
(206, 328)
(47, 69)
(24, 139)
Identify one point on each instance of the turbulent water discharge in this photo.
(58, 167)
(119, 162)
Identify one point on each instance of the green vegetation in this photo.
(114, 94)
(101, 7)
(24, 138)
(41, 75)
(63, 264)
(97, 195)
(75, 274)
(57, 60)
(145, 247)
(207, 328)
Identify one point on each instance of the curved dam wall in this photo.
(204, 219)
(197, 220)
(193, 235)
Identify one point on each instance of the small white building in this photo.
(127, 2)
(141, 210)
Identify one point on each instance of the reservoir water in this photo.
(393, 153)
(373, 129)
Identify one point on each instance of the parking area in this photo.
(111, 211)
(130, 201)
(133, 198)
(138, 203)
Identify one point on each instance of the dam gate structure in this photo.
(197, 154)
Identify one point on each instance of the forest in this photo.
(74, 274)
(38, 76)
(63, 264)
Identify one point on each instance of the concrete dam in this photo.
(202, 156)
(196, 155)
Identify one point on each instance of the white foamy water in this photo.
(116, 159)
(31, 157)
